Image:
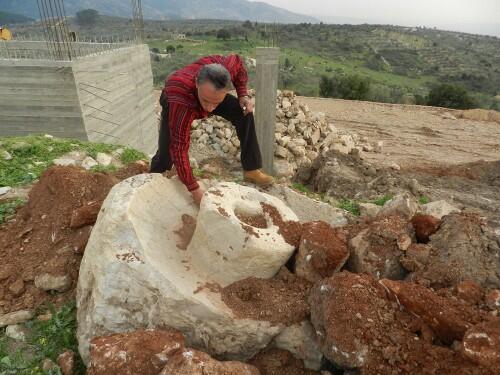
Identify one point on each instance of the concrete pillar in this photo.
(265, 103)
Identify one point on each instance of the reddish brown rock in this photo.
(143, 352)
(377, 248)
(82, 237)
(492, 299)
(448, 318)
(17, 287)
(469, 291)
(461, 250)
(66, 362)
(416, 257)
(85, 215)
(279, 362)
(322, 251)
(482, 344)
(193, 362)
(358, 326)
(425, 226)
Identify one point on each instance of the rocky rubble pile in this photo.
(381, 295)
(300, 135)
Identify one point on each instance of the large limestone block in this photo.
(234, 239)
(135, 273)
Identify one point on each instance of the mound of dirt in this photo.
(360, 324)
(40, 238)
(279, 362)
(281, 300)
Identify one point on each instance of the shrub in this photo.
(450, 96)
(87, 17)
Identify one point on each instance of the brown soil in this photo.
(281, 300)
(327, 247)
(39, 239)
(256, 221)
(291, 231)
(359, 326)
(279, 362)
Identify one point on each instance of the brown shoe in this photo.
(258, 178)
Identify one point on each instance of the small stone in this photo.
(5, 155)
(44, 317)
(395, 166)
(48, 365)
(85, 215)
(404, 204)
(281, 152)
(481, 343)
(65, 162)
(4, 190)
(194, 163)
(49, 136)
(89, 162)
(439, 209)
(16, 317)
(492, 299)
(368, 148)
(379, 147)
(104, 159)
(369, 209)
(16, 332)
(283, 168)
(66, 362)
(469, 291)
(49, 282)
(17, 287)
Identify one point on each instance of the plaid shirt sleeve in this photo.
(180, 118)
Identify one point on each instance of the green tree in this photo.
(170, 49)
(326, 87)
(450, 96)
(223, 34)
(352, 87)
(87, 17)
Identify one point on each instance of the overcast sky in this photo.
(401, 12)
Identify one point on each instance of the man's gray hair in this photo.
(216, 74)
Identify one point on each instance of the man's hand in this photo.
(197, 195)
(246, 105)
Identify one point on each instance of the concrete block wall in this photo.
(116, 95)
(104, 97)
(39, 97)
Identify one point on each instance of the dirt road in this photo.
(413, 135)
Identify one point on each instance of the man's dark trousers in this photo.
(230, 110)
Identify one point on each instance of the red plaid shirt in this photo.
(184, 107)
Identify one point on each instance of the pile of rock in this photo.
(300, 135)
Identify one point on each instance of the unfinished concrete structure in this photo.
(103, 93)
(265, 105)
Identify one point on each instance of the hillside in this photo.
(402, 63)
(8, 18)
(171, 9)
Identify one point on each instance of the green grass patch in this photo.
(9, 208)
(198, 172)
(299, 187)
(46, 339)
(349, 205)
(32, 155)
(423, 200)
(131, 155)
(382, 200)
(104, 169)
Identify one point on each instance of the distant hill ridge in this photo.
(9, 18)
(171, 9)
